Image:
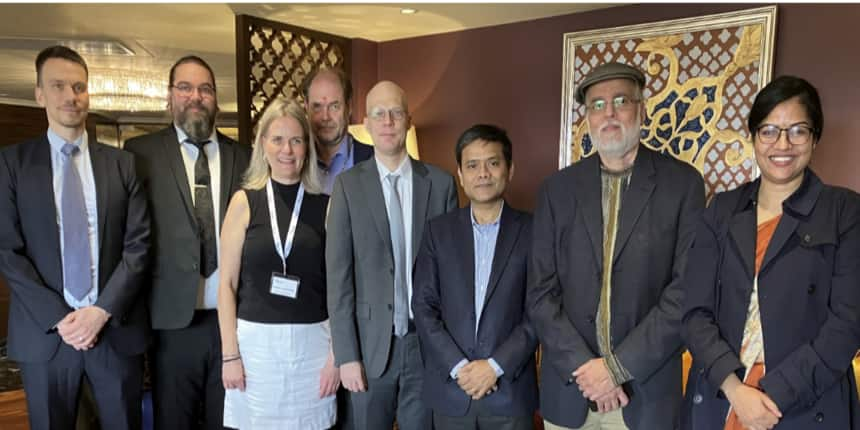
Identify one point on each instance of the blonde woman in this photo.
(278, 369)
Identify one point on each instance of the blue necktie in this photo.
(77, 262)
(398, 247)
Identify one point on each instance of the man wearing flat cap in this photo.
(610, 236)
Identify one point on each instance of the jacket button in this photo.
(194, 266)
(819, 417)
(807, 238)
(390, 307)
(570, 381)
(697, 399)
(702, 371)
(590, 319)
(811, 289)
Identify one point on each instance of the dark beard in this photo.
(197, 127)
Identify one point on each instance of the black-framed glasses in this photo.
(622, 103)
(185, 89)
(798, 134)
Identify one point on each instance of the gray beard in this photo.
(198, 129)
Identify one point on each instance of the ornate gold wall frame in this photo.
(702, 76)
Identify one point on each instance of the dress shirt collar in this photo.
(57, 142)
(404, 169)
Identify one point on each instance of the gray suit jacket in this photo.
(659, 212)
(359, 260)
(176, 244)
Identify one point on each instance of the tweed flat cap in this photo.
(608, 71)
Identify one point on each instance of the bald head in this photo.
(388, 118)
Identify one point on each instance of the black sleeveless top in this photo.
(306, 260)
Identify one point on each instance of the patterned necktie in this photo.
(398, 247)
(77, 261)
(203, 211)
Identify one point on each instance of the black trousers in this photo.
(477, 418)
(187, 392)
(53, 388)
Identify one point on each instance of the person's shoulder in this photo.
(142, 142)
(16, 149)
(433, 171)
(667, 163)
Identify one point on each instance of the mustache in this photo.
(611, 123)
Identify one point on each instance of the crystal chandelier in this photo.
(127, 90)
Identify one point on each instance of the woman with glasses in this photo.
(772, 307)
(278, 367)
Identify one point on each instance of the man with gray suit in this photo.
(377, 214)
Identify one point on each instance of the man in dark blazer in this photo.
(376, 218)
(328, 97)
(189, 171)
(611, 234)
(74, 241)
(470, 298)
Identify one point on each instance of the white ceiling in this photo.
(160, 33)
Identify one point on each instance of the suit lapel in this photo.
(226, 153)
(372, 188)
(41, 176)
(589, 201)
(636, 197)
(172, 148)
(509, 230)
(742, 229)
(420, 197)
(466, 252)
(100, 176)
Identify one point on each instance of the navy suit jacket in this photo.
(361, 151)
(809, 303)
(443, 302)
(30, 249)
(658, 216)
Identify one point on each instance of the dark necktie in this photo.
(77, 261)
(203, 211)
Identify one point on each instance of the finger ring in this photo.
(80, 339)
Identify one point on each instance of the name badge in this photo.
(285, 285)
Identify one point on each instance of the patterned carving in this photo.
(701, 83)
(276, 59)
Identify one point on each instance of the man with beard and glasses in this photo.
(610, 238)
(189, 171)
(328, 97)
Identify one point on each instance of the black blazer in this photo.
(361, 151)
(176, 245)
(30, 249)
(443, 302)
(659, 211)
(809, 303)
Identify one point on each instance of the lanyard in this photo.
(284, 250)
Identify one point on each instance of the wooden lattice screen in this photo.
(273, 59)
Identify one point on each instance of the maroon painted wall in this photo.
(511, 75)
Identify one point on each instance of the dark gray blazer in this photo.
(30, 249)
(359, 260)
(444, 305)
(176, 244)
(659, 211)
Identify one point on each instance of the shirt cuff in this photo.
(457, 368)
(498, 369)
(617, 372)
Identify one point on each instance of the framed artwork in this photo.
(702, 76)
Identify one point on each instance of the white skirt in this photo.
(282, 377)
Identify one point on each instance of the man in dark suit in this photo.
(189, 171)
(611, 234)
(74, 241)
(469, 300)
(328, 97)
(376, 218)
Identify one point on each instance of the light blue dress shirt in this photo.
(84, 166)
(342, 160)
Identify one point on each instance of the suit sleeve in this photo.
(699, 328)
(340, 277)
(124, 284)
(564, 347)
(44, 305)
(515, 352)
(427, 308)
(812, 369)
(647, 347)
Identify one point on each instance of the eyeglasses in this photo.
(798, 134)
(185, 90)
(380, 114)
(334, 108)
(621, 103)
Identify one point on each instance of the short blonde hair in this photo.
(259, 172)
